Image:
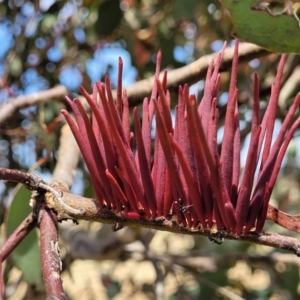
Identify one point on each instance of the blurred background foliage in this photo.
(73, 43)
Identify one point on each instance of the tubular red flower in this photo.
(144, 166)
(185, 176)
(228, 144)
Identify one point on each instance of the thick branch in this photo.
(68, 157)
(51, 264)
(80, 208)
(138, 91)
(92, 211)
(193, 72)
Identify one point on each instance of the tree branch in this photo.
(18, 235)
(54, 94)
(51, 263)
(138, 91)
(88, 209)
(93, 212)
(193, 72)
(211, 263)
(2, 287)
(68, 157)
(31, 181)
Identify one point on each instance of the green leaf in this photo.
(109, 17)
(278, 33)
(27, 254)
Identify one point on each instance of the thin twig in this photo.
(54, 94)
(34, 182)
(51, 263)
(210, 263)
(222, 290)
(31, 181)
(2, 287)
(18, 235)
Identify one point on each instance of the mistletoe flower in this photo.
(185, 176)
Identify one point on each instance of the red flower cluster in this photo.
(185, 176)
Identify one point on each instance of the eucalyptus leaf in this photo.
(262, 23)
(27, 254)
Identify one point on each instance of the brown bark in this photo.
(90, 210)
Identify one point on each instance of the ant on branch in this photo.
(183, 208)
(217, 237)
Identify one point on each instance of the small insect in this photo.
(183, 208)
(217, 237)
(216, 240)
